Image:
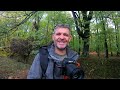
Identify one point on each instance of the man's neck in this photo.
(60, 52)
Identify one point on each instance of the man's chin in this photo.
(61, 48)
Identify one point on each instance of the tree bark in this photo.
(105, 39)
(84, 32)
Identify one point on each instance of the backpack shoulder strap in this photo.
(43, 59)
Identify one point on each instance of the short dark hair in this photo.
(62, 26)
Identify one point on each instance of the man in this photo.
(58, 51)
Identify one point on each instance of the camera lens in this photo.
(77, 73)
(74, 72)
(71, 70)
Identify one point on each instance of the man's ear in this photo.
(70, 38)
(53, 37)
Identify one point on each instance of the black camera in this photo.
(71, 70)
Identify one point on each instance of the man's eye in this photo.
(65, 34)
(58, 34)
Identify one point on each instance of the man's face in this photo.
(61, 38)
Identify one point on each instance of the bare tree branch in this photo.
(23, 21)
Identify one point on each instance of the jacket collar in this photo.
(70, 53)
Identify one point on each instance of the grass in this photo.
(9, 67)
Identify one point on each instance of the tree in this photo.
(83, 28)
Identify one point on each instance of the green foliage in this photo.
(4, 51)
(46, 20)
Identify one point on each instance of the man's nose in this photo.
(61, 36)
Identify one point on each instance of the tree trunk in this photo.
(105, 40)
(110, 46)
(77, 28)
(98, 47)
(85, 47)
(84, 33)
(117, 41)
(79, 45)
(86, 40)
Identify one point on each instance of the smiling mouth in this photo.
(61, 43)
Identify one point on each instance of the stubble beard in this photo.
(61, 49)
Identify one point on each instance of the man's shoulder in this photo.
(72, 54)
(71, 51)
(45, 47)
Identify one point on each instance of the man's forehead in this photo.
(62, 30)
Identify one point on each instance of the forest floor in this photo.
(11, 69)
(95, 68)
(100, 67)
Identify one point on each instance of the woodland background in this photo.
(96, 37)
